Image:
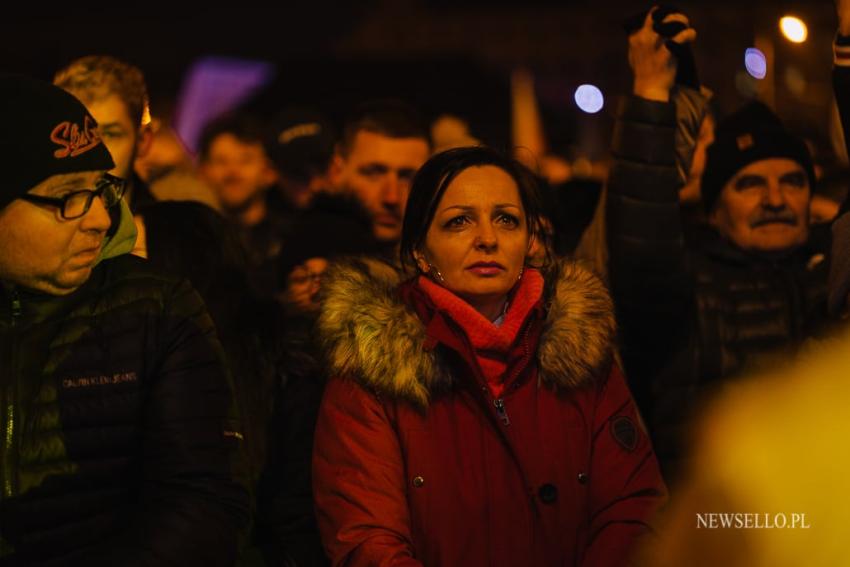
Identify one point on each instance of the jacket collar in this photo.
(718, 248)
(385, 341)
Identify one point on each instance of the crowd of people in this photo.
(386, 343)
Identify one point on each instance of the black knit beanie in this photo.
(751, 134)
(46, 131)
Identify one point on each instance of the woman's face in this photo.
(478, 239)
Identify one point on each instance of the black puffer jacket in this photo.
(286, 531)
(118, 440)
(693, 309)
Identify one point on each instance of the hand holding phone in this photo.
(660, 53)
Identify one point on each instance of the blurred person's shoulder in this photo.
(128, 278)
(775, 440)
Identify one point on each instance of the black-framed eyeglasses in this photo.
(77, 203)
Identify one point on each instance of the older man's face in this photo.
(39, 250)
(765, 206)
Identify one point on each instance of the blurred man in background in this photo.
(699, 309)
(382, 146)
(116, 95)
(233, 160)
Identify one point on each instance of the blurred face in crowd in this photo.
(124, 139)
(303, 284)
(765, 206)
(61, 257)
(479, 238)
(239, 172)
(378, 171)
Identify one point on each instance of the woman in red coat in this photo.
(475, 416)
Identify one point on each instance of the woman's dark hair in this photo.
(437, 173)
(192, 240)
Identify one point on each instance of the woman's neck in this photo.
(489, 308)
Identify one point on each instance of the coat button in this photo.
(548, 493)
(418, 481)
(582, 478)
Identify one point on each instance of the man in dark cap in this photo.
(118, 440)
(700, 306)
(301, 146)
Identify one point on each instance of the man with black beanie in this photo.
(118, 439)
(698, 307)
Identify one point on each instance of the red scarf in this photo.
(492, 344)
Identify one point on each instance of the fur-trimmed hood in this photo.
(368, 333)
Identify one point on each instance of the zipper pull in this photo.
(500, 409)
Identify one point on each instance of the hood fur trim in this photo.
(370, 335)
(577, 343)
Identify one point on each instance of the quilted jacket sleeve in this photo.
(358, 481)
(646, 240)
(651, 281)
(626, 488)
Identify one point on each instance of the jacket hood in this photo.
(369, 334)
(124, 237)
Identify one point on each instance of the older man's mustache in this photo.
(788, 218)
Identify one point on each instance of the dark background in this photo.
(444, 56)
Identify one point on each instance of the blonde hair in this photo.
(97, 76)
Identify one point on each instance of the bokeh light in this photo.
(755, 63)
(794, 29)
(589, 98)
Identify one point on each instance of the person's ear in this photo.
(535, 254)
(144, 141)
(421, 263)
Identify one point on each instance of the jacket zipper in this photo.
(7, 412)
(9, 405)
(500, 409)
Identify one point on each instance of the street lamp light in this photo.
(794, 29)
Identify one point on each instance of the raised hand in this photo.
(653, 65)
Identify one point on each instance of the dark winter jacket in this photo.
(693, 309)
(118, 436)
(415, 464)
(286, 530)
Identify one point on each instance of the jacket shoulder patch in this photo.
(625, 433)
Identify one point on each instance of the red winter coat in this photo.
(414, 464)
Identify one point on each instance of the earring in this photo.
(435, 274)
(432, 271)
(519, 277)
